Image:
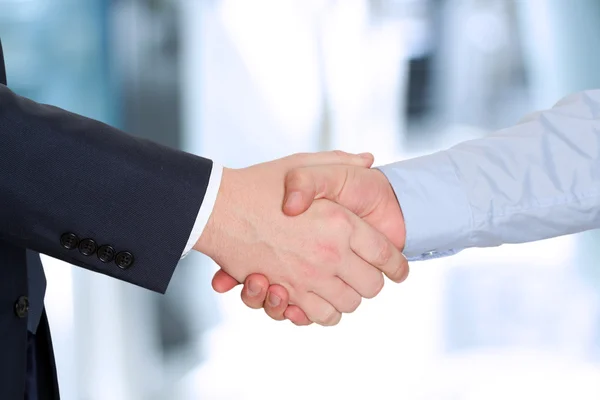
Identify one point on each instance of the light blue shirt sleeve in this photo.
(536, 180)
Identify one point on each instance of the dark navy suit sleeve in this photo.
(123, 206)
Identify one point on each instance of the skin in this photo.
(363, 191)
(323, 260)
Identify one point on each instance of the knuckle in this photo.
(298, 182)
(296, 177)
(383, 252)
(340, 154)
(339, 218)
(329, 254)
(330, 317)
(375, 287)
(293, 159)
(353, 304)
(310, 273)
(298, 159)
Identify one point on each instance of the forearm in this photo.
(536, 180)
(60, 173)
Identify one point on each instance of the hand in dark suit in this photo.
(83, 192)
(86, 193)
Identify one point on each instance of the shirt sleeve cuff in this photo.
(436, 210)
(210, 197)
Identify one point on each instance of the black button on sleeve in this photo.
(124, 259)
(69, 241)
(87, 247)
(22, 307)
(106, 253)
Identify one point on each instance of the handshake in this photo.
(310, 235)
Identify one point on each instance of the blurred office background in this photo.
(245, 81)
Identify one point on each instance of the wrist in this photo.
(207, 242)
(390, 218)
(396, 216)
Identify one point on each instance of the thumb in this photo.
(304, 185)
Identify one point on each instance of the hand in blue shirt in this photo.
(536, 180)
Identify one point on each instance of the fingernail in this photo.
(253, 289)
(274, 300)
(365, 155)
(294, 197)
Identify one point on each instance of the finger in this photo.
(364, 278)
(330, 158)
(337, 292)
(296, 316)
(318, 310)
(223, 282)
(254, 292)
(406, 268)
(374, 248)
(277, 302)
(304, 185)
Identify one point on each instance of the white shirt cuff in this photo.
(210, 197)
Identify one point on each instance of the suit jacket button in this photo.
(124, 259)
(106, 253)
(22, 307)
(87, 247)
(69, 241)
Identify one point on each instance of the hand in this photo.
(363, 191)
(327, 259)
